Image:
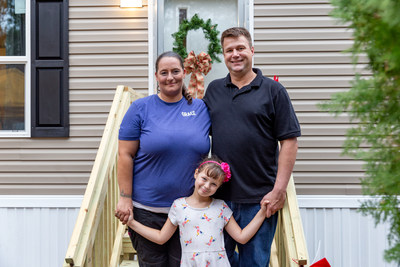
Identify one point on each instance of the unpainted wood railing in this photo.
(96, 230)
(289, 248)
(97, 237)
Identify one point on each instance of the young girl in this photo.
(202, 219)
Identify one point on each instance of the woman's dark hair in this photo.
(185, 91)
(211, 169)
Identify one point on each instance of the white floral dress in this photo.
(201, 232)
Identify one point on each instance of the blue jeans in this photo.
(257, 251)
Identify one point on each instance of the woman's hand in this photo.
(122, 210)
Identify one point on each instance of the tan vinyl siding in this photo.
(294, 39)
(299, 42)
(108, 46)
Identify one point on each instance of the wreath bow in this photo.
(197, 65)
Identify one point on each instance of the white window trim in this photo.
(27, 61)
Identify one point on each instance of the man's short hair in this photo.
(236, 32)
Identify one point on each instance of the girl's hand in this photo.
(122, 210)
(264, 205)
(130, 218)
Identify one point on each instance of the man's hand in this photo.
(274, 200)
(122, 210)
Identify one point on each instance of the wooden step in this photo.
(129, 263)
(127, 245)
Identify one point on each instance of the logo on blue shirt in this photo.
(187, 114)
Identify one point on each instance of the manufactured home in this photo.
(61, 62)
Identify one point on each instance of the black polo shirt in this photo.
(246, 127)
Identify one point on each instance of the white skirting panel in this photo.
(334, 229)
(35, 230)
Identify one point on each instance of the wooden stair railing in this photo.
(96, 229)
(289, 248)
(100, 240)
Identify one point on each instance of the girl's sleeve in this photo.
(227, 212)
(172, 215)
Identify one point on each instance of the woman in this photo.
(161, 140)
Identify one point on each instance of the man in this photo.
(250, 114)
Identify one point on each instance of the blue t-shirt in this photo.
(173, 137)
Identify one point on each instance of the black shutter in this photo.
(49, 81)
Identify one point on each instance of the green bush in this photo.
(373, 102)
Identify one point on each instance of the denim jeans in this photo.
(256, 252)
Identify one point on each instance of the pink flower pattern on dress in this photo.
(201, 233)
(187, 242)
(185, 221)
(211, 241)
(198, 231)
(194, 256)
(204, 217)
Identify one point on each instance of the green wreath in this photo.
(209, 30)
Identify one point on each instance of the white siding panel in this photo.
(39, 228)
(35, 231)
(335, 229)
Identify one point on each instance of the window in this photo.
(14, 68)
(34, 68)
